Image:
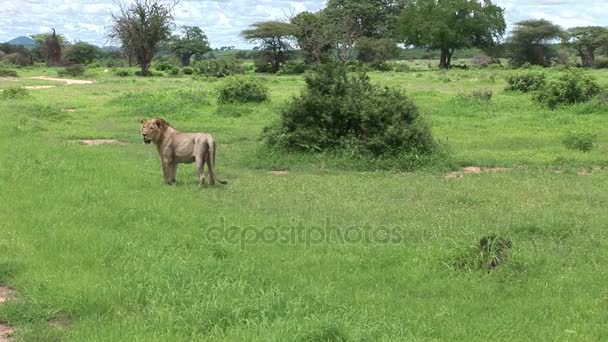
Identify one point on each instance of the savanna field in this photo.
(97, 248)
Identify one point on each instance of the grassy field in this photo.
(98, 249)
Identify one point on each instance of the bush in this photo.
(219, 67)
(164, 66)
(174, 71)
(242, 90)
(571, 87)
(401, 67)
(383, 67)
(188, 71)
(122, 73)
(478, 96)
(601, 63)
(293, 68)
(8, 73)
(14, 93)
(341, 112)
(72, 70)
(581, 141)
(526, 82)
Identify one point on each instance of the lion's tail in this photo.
(211, 162)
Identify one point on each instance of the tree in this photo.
(530, 41)
(80, 53)
(586, 40)
(49, 47)
(367, 18)
(141, 27)
(448, 25)
(275, 39)
(314, 36)
(376, 51)
(193, 41)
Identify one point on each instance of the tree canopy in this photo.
(141, 27)
(586, 40)
(450, 25)
(274, 39)
(530, 39)
(191, 41)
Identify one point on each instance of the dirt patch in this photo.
(279, 172)
(67, 81)
(70, 110)
(38, 87)
(473, 170)
(14, 79)
(60, 321)
(6, 293)
(6, 333)
(92, 142)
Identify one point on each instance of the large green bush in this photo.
(72, 70)
(337, 111)
(219, 67)
(8, 73)
(526, 81)
(242, 90)
(571, 87)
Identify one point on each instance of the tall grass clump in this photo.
(11, 93)
(526, 81)
(337, 111)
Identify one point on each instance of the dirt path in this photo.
(6, 331)
(67, 81)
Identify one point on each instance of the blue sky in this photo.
(222, 20)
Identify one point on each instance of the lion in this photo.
(178, 147)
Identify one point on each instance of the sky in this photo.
(222, 20)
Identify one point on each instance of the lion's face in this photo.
(151, 130)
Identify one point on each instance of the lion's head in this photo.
(152, 130)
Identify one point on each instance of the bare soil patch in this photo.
(38, 87)
(67, 81)
(6, 293)
(70, 110)
(6, 333)
(92, 142)
(14, 79)
(473, 170)
(279, 172)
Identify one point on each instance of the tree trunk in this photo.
(185, 59)
(445, 59)
(590, 56)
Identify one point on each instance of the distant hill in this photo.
(25, 41)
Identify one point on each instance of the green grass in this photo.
(89, 235)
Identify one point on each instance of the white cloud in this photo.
(222, 20)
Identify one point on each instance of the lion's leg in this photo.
(200, 165)
(211, 162)
(173, 169)
(167, 171)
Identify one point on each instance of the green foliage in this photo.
(122, 73)
(601, 63)
(242, 90)
(274, 39)
(80, 53)
(11, 93)
(184, 102)
(337, 112)
(219, 67)
(476, 96)
(571, 87)
(192, 41)
(314, 35)
(451, 25)
(293, 68)
(529, 42)
(401, 67)
(72, 70)
(188, 71)
(376, 51)
(491, 252)
(164, 65)
(8, 73)
(525, 81)
(581, 141)
(585, 40)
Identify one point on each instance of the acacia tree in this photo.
(586, 40)
(366, 18)
(530, 41)
(448, 25)
(314, 36)
(274, 39)
(141, 27)
(192, 41)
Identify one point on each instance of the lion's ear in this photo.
(142, 120)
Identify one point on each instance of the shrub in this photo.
(526, 82)
(384, 67)
(581, 141)
(14, 93)
(401, 67)
(478, 96)
(122, 73)
(164, 66)
(188, 71)
(341, 112)
(8, 73)
(489, 253)
(293, 68)
(219, 67)
(174, 71)
(72, 70)
(571, 87)
(601, 63)
(242, 90)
